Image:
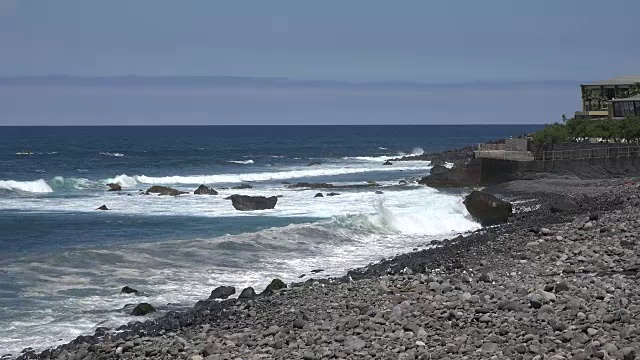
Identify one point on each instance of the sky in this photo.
(432, 42)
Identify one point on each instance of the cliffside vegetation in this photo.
(583, 130)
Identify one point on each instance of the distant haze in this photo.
(392, 47)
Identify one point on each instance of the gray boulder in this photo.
(249, 203)
(143, 309)
(222, 292)
(563, 205)
(204, 190)
(163, 190)
(488, 209)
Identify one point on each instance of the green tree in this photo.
(634, 89)
(630, 127)
(552, 134)
(578, 129)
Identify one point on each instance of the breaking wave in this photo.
(37, 186)
(246, 162)
(115, 154)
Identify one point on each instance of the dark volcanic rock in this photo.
(563, 205)
(333, 194)
(466, 176)
(379, 192)
(387, 163)
(438, 169)
(248, 203)
(142, 309)
(311, 185)
(276, 284)
(247, 293)
(128, 290)
(242, 187)
(314, 163)
(163, 190)
(103, 207)
(319, 195)
(203, 190)
(488, 209)
(222, 292)
(114, 187)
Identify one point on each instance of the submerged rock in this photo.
(128, 290)
(143, 309)
(222, 292)
(103, 207)
(163, 190)
(242, 187)
(204, 190)
(114, 187)
(248, 203)
(387, 163)
(487, 209)
(314, 163)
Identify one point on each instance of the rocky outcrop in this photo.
(114, 187)
(128, 290)
(103, 207)
(143, 309)
(465, 176)
(163, 190)
(438, 169)
(488, 209)
(247, 293)
(318, 195)
(248, 203)
(242, 187)
(204, 190)
(563, 205)
(222, 292)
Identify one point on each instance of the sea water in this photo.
(62, 263)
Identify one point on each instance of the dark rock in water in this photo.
(285, 182)
(203, 190)
(248, 203)
(563, 205)
(371, 183)
(318, 195)
(114, 187)
(276, 284)
(402, 182)
(488, 209)
(247, 293)
(467, 176)
(242, 187)
(142, 309)
(379, 192)
(594, 216)
(438, 169)
(333, 194)
(315, 271)
(311, 185)
(222, 292)
(128, 290)
(314, 163)
(103, 207)
(387, 163)
(163, 190)
(301, 276)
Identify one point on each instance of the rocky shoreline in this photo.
(546, 285)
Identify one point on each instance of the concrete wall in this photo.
(516, 144)
(495, 171)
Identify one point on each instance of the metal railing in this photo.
(593, 153)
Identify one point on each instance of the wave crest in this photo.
(245, 162)
(37, 186)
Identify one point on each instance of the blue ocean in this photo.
(62, 263)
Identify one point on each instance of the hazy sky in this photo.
(429, 41)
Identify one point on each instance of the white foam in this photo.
(37, 186)
(378, 159)
(115, 154)
(246, 162)
(382, 148)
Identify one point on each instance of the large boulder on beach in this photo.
(204, 190)
(143, 309)
(248, 203)
(276, 284)
(563, 205)
(222, 292)
(247, 293)
(114, 187)
(488, 209)
(163, 190)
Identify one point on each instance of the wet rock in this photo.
(247, 293)
(128, 290)
(142, 309)
(333, 194)
(318, 195)
(204, 190)
(387, 163)
(249, 203)
(242, 187)
(164, 191)
(222, 292)
(103, 207)
(114, 187)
